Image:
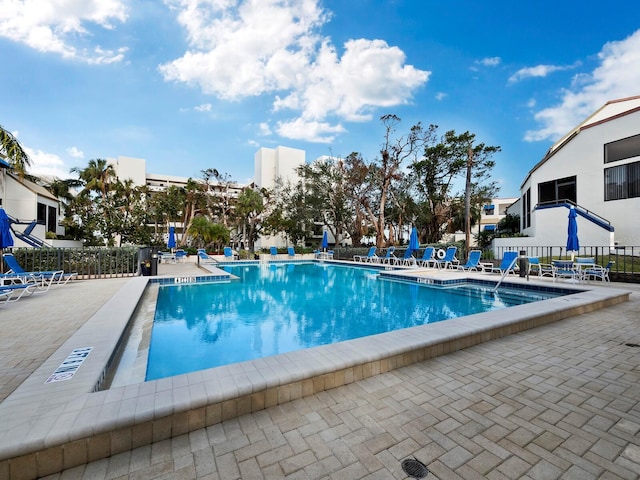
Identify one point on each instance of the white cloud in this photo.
(616, 76)
(265, 130)
(539, 71)
(75, 152)
(441, 96)
(490, 61)
(205, 107)
(254, 47)
(311, 131)
(43, 163)
(55, 26)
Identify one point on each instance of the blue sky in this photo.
(196, 84)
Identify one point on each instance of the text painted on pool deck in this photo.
(70, 366)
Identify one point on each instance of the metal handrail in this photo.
(504, 274)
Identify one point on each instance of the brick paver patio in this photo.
(558, 402)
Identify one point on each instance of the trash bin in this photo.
(523, 263)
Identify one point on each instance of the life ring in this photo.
(440, 254)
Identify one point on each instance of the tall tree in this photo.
(291, 212)
(250, 211)
(11, 149)
(387, 168)
(444, 162)
(98, 176)
(325, 189)
(219, 188)
(478, 186)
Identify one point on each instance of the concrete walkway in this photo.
(560, 401)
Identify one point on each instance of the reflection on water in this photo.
(279, 308)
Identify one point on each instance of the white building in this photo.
(594, 168)
(271, 164)
(493, 212)
(33, 210)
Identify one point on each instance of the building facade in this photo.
(594, 168)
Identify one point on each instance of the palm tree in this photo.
(200, 230)
(97, 176)
(11, 149)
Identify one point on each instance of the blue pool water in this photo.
(279, 308)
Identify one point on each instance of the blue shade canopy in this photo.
(171, 242)
(325, 240)
(414, 244)
(6, 240)
(573, 244)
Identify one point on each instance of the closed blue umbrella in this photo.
(171, 242)
(325, 240)
(573, 244)
(6, 240)
(414, 244)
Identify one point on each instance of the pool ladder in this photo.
(504, 274)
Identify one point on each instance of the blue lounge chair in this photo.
(508, 263)
(406, 259)
(15, 291)
(45, 278)
(274, 252)
(369, 257)
(228, 254)
(427, 259)
(389, 256)
(473, 262)
(181, 256)
(449, 258)
(204, 257)
(291, 252)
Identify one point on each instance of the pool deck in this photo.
(500, 400)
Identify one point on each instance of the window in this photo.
(42, 213)
(622, 181)
(557, 190)
(526, 209)
(489, 209)
(52, 220)
(622, 149)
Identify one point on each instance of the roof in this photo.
(611, 110)
(35, 188)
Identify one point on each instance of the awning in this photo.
(489, 228)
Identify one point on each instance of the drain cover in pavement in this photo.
(414, 468)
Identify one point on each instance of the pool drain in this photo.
(414, 468)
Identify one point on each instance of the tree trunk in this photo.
(467, 200)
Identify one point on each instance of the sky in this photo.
(195, 84)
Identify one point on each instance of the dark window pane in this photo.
(633, 180)
(621, 149)
(546, 192)
(614, 183)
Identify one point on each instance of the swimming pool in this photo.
(279, 308)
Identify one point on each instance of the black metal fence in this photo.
(92, 262)
(626, 266)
